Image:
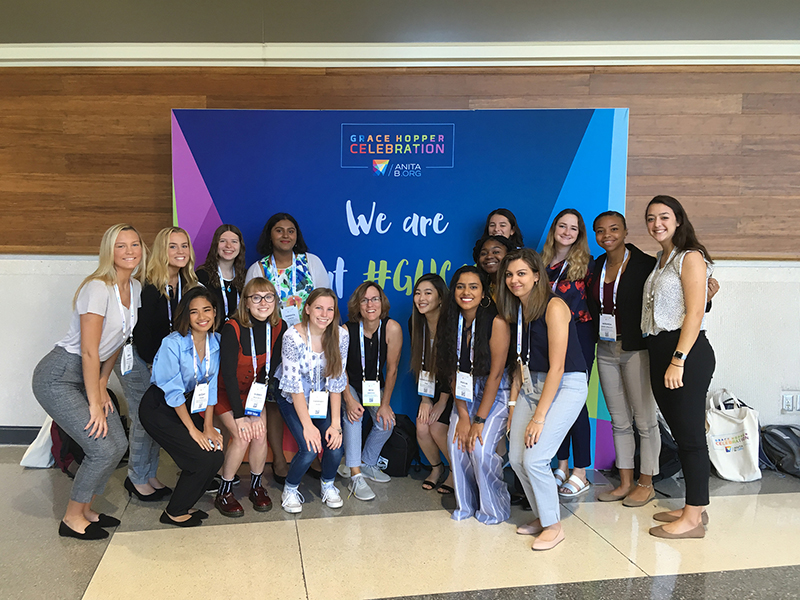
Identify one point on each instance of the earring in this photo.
(488, 302)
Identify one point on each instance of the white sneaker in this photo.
(292, 501)
(359, 488)
(331, 497)
(375, 474)
(343, 471)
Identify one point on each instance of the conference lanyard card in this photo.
(371, 393)
(256, 398)
(527, 382)
(318, 405)
(291, 315)
(426, 384)
(126, 364)
(608, 328)
(200, 398)
(464, 386)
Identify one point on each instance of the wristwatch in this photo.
(679, 355)
(479, 420)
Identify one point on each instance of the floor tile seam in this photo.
(108, 543)
(610, 543)
(300, 553)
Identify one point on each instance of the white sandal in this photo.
(575, 487)
(560, 476)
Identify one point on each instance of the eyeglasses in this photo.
(374, 300)
(258, 298)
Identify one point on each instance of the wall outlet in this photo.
(797, 402)
(787, 401)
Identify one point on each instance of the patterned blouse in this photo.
(572, 292)
(303, 369)
(282, 280)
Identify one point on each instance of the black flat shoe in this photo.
(107, 521)
(279, 479)
(93, 531)
(192, 521)
(314, 473)
(132, 491)
(517, 499)
(164, 492)
(200, 514)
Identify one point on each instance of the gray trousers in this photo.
(625, 379)
(143, 458)
(58, 387)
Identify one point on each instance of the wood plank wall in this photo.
(83, 148)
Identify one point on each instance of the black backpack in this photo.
(669, 463)
(401, 449)
(781, 444)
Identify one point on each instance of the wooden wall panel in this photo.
(83, 148)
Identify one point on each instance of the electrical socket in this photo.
(797, 402)
(787, 402)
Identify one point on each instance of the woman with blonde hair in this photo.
(250, 354)
(314, 355)
(569, 266)
(170, 272)
(70, 383)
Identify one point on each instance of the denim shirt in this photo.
(173, 368)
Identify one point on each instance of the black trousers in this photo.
(685, 408)
(197, 466)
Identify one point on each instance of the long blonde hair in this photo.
(105, 271)
(158, 266)
(330, 337)
(578, 256)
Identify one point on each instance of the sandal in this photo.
(445, 490)
(574, 487)
(428, 485)
(560, 476)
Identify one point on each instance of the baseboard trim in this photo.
(20, 436)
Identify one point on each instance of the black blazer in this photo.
(629, 297)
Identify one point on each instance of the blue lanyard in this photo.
(363, 354)
(224, 290)
(169, 301)
(471, 342)
(194, 358)
(253, 350)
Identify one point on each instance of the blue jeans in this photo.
(354, 457)
(304, 457)
(532, 465)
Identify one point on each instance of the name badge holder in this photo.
(426, 384)
(224, 290)
(464, 386)
(524, 370)
(560, 273)
(200, 394)
(318, 398)
(126, 363)
(370, 390)
(608, 323)
(257, 396)
(290, 314)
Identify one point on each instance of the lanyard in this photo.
(616, 283)
(194, 358)
(363, 353)
(654, 276)
(519, 337)
(471, 341)
(169, 301)
(224, 291)
(560, 273)
(311, 366)
(125, 333)
(424, 333)
(253, 350)
(294, 272)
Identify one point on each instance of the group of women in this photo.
(504, 351)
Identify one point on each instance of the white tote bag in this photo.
(733, 437)
(39, 455)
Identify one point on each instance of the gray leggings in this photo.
(58, 387)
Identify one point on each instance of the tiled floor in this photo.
(403, 544)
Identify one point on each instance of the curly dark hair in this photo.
(264, 245)
(447, 330)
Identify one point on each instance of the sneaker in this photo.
(359, 488)
(331, 497)
(292, 501)
(375, 474)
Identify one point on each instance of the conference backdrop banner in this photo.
(387, 196)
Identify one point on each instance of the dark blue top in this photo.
(535, 351)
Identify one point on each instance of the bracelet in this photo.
(512, 403)
(674, 365)
(537, 422)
